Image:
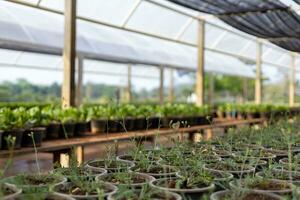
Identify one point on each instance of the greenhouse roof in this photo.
(269, 19)
(116, 31)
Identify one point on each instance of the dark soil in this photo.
(173, 185)
(269, 185)
(112, 164)
(127, 179)
(154, 170)
(77, 190)
(38, 181)
(251, 196)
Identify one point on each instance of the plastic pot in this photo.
(239, 184)
(64, 189)
(15, 192)
(143, 179)
(82, 173)
(228, 194)
(157, 195)
(140, 123)
(236, 173)
(44, 196)
(157, 171)
(98, 126)
(30, 183)
(192, 194)
(114, 126)
(83, 129)
(52, 131)
(110, 166)
(152, 123)
(17, 133)
(38, 135)
(67, 130)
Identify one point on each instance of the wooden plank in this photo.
(79, 87)
(69, 55)
(292, 87)
(200, 69)
(171, 86)
(161, 86)
(258, 79)
(56, 145)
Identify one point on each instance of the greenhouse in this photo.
(150, 99)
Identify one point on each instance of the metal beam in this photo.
(201, 62)
(161, 86)
(258, 80)
(292, 87)
(69, 55)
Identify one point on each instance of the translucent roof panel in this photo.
(43, 60)
(9, 56)
(112, 11)
(190, 34)
(227, 65)
(160, 21)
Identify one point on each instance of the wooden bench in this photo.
(61, 149)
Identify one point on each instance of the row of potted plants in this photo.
(245, 164)
(244, 111)
(50, 122)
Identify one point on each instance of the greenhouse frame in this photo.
(85, 114)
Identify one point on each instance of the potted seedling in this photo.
(133, 180)
(83, 124)
(243, 195)
(53, 125)
(12, 123)
(229, 165)
(128, 114)
(8, 192)
(292, 177)
(263, 185)
(145, 193)
(35, 183)
(220, 179)
(86, 189)
(191, 187)
(98, 117)
(82, 173)
(36, 130)
(68, 119)
(44, 196)
(111, 165)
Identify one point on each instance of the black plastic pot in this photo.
(114, 126)
(38, 135)
(82, 129)
(98, 126)
(67, 130)
(129, 124)
(52, 131)
(203, 120)
(152, 123)
(17, 133)
(140, 124)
